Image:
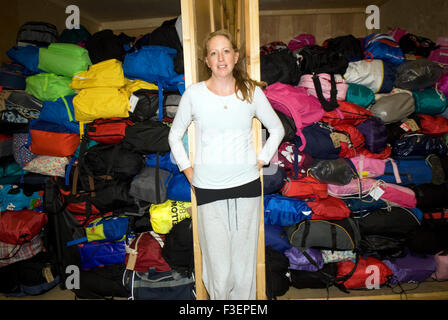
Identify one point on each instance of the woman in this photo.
(226, 174)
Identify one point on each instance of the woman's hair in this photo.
(243, 84)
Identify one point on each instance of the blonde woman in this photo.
(226, 174)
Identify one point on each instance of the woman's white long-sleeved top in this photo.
(224, 153)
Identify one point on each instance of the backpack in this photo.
(17, 227)
(300, 41)
(278, 64)
(347, 113)
(349, 46)
(105, 45)
(178, 248)
(417, 45)
(322, 141)
(440, 55)
(75, 36)
(284, 211)
(383, 46)
(375, 134)
(100, 254)
(151, 185)
(37, 33)
(27, 56)
(107, 131)
(276, 265)
(307, 188)
(417, 144)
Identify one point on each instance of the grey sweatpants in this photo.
(228, 236)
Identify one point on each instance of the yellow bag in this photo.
(95, 103)
(132, 85)
(108, 73)
(164, 215)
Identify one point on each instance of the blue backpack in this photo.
(285, 211)
(28, 56)
(384, 47)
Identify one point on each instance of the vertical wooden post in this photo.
(251, 20)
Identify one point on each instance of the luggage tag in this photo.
(132, 258)
(376, 193)
(337, 138)
(46, 273)
(410, 125)
(133, 100)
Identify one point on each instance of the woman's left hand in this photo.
(260, 164)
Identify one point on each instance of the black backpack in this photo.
(37, 33)
(417, 45)
(104, 45)
(278, 64)
(349, 46)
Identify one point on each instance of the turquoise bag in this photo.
(360, 95)
(429, 101)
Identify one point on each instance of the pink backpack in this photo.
(301, 41)
(296, 103)
(397, 33)
(442, 84)
(440, 55)
(441, 272)
(307, 82)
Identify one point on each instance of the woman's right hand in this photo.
(189, 174)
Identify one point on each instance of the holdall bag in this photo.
(375, 134)
(165, 215)
(392, 108)
(298, 261)
(178, 247)
(375, 74)
(48, 86)
(392, 222)
(383, 46)
(307, 188)
(107, 131)
(339, 171)
(330, 208)
(417, 144)
(363, 273)
(153, 285)
(302, 279)
(101, 102)
(278, 64)
(52, 139)
(12, 76)
(440, 55)
(277, 279)
(411, 269)
(27, 56)
(360, 95)
(151, 185)
(17, 227)
(147, 137)
(442, 83)
(418, 74)
(61, 112)
(360, 206)
(416, 45)
(325, 234)
(326, 85)
(284, 211)
(108, 73)
(429, 101)
(276, 238)
(347, 113)
(347, 45)
(37, 33)
(287, 155)
(297, 104)
(322, 141)
(100, 254)
(407, 171)
(14, 198)
(65, 59)
(301, 40)
(430, 196)
(441, 272)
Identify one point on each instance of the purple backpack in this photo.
(298, 261)
(375, 134)
(411, 268)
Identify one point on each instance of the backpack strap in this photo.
(327, 105)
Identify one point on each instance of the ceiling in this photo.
(119, 10)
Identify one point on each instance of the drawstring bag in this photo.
(17, 227)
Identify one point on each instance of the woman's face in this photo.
(221, 58)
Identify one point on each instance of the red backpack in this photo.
(296, 103)
(347, 113)
(17, 227)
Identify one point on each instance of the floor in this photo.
(428, 290)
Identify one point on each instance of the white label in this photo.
(376, 193)
(133, 100)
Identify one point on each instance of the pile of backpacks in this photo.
(90, 197)
(356, 197)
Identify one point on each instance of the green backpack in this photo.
(429, 101)
(360, 95)
(65, 59)
(49, 86)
